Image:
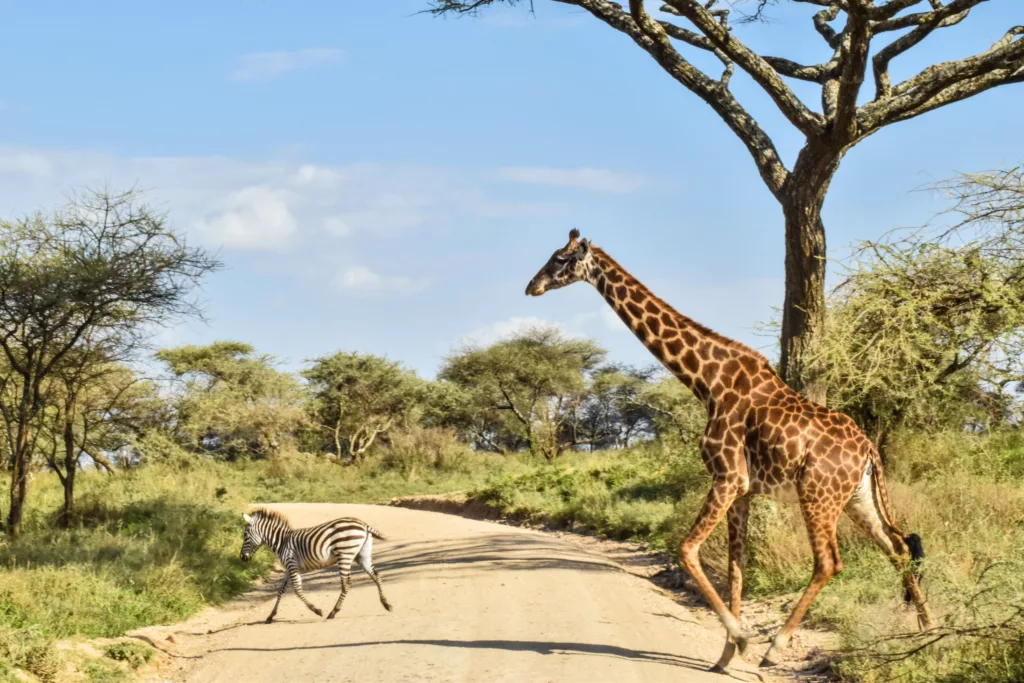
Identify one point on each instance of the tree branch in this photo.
(926, 22)
(655, 41)
(949, 82)
(717, 31)
(854, 45)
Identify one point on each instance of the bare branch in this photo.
(821, 20)
(949, 82)
(786, 67)
(854, 45)
(656, 42)
(926, 22)
(945, 15)
(717, 31)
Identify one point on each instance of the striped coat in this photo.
(337, 542)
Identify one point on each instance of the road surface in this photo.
(474, 602)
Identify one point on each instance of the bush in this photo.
(415, 448)
(134, 654)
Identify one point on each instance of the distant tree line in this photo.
(924, 332)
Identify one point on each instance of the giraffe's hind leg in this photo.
(344, 571)
(365, 558)
(821, 515)
(863, 511)
(737, 519)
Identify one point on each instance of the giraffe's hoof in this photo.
(269, 620)
(768, 661)
(716, 669)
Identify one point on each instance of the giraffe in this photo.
(762, 438)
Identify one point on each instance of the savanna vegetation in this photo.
(128, 466)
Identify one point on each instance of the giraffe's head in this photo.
(567, 265)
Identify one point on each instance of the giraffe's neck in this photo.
(700, 358)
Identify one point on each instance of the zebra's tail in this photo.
(376, 534)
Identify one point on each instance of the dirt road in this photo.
(474, 602)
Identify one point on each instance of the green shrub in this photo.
(133, 653)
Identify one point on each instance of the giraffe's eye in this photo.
(561, 259)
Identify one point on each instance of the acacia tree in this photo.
(358, 398)
(524, 390)
(851, 31)
(106, 265)
(927, 327)
(232, 401)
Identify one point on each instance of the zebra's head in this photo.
(252, 539)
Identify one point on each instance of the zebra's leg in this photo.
(297, 585)
(280, 592)
(366, 560)
(345, 571)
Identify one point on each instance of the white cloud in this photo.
(253, 218)
(612, 320)
(363, 279)
(30, 163)
(510, 327)
(337, 226)
(592, 179)
(265, 66)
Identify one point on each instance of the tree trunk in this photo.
(803, 313)
(70, 468)
(19, 484)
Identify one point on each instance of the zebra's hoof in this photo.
(317, 611)
(331, 615)
(269, 620)
(387, 606)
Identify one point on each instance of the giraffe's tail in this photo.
(913, 541)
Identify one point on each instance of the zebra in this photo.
(339, 541)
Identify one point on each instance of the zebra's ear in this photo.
(246, 516)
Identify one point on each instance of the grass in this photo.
(158, 543)
(963, 494)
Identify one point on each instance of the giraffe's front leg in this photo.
(297, 584)
(737, 519)
(280, 591)
(723, 492)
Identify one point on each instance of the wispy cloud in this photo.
(592, 179)
(365, 280)
(504, 329)
(266, 66)
(251, 218)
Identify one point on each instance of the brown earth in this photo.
(474, 601)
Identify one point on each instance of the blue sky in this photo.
(387, 182)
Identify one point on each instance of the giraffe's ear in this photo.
(246, 517)
(583, 248)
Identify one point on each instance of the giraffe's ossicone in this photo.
(762, 437)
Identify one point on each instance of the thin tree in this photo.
(849, 29)
(105, 267)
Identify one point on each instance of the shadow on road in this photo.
(540, 647)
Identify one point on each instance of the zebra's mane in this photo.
(272, 516)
